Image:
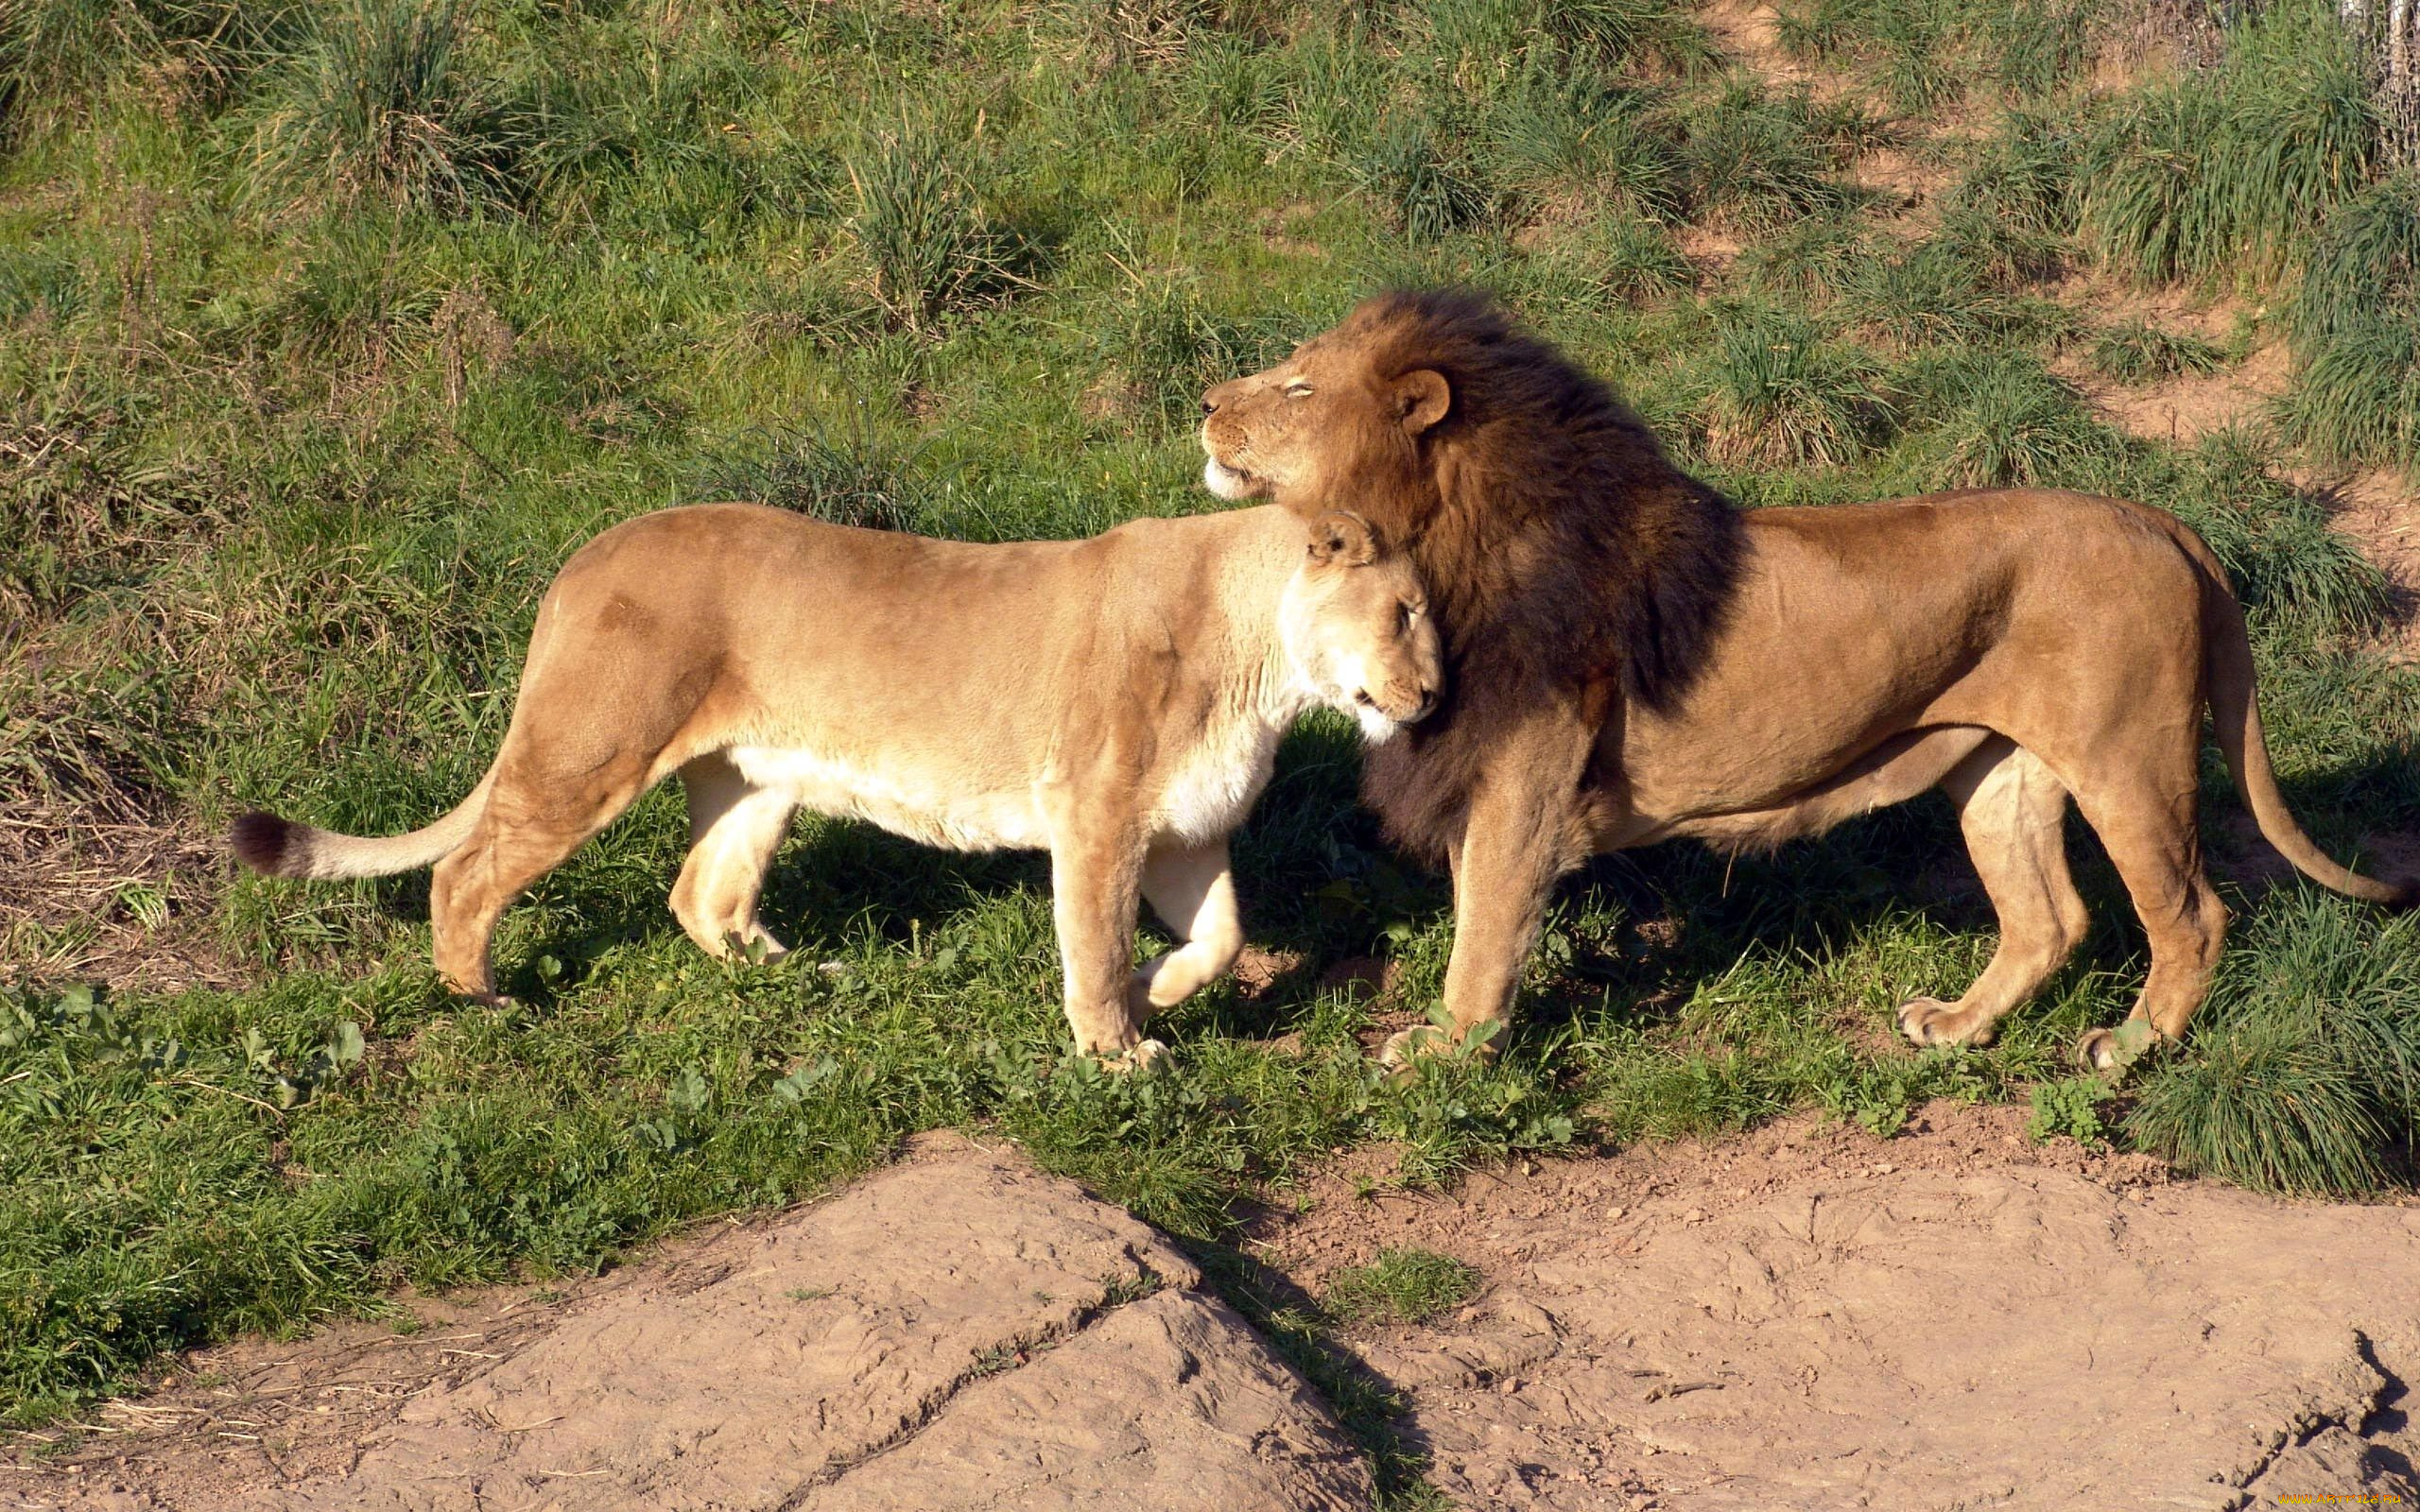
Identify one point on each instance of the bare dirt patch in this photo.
(2182, 410)
(2380, 511)
(1811, 1317)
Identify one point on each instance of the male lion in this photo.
(1117, 702)
(1631, 659)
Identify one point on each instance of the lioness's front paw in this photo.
(1931, 1022)
(1143, 1055)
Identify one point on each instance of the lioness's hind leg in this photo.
(2014, 813)
(735, 827)
(1193, 891)
(531, 826)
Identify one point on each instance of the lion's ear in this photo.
(1422, 398)
(1343, 538)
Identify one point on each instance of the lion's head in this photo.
(1559, 544)
(1355, 623)
(1344, 412)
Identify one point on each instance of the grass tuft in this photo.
(1406, 1285)
(1782, 395)
(384, 105)
(2304, 1074)
(1757, 161)
(2220, 173)
(2003, 419)
(1422, 176)
(2354, 322)
(930, 247)
(849, 480)
(2137, 352)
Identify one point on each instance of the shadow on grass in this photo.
(1636, 930)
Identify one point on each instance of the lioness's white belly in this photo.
(1204, 795)
(898, 800)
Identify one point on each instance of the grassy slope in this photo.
(305, 402)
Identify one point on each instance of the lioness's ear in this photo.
(1344, 538)
(1422, 398)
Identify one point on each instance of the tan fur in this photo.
(1116, 701)
(2013, 648)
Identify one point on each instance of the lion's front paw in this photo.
(1931, 1022)
(2111, 1051)
(1404, 1048)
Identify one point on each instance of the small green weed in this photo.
(2069, 1108)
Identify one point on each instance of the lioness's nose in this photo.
(1214, 396)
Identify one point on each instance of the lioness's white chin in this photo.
(1226, 483)
(1376, 728)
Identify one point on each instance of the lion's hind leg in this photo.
(2014, 813)
(2146, 818)
(1193, 890)
(735, 827)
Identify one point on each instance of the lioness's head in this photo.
(1341, 418)
(1355, 623)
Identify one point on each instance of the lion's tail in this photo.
(281, 848)
(2234, 713)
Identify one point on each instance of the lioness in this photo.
(1632, 660)
(1116, 701)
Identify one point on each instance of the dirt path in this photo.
(1805, 1316)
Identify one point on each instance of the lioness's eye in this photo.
(1298, 389)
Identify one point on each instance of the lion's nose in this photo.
(1214, 396)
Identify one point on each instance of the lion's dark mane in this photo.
(1562, 548)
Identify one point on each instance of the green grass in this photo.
(2354, 320)
(2220, 173)
(2005, 420)
(1407, 1285)
(2306, 1079)
(331, 330)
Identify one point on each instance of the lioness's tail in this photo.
(281, 848)
(2235, 715)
